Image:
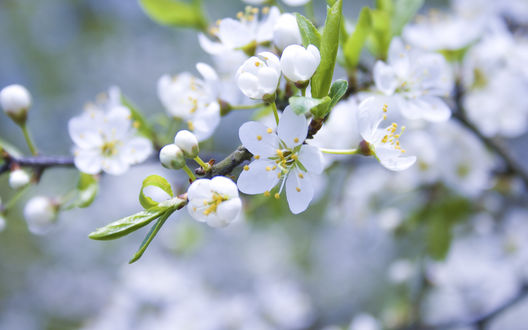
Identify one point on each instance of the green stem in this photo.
(248, 106)
(204, 165)
(189, 173)
(303, 91)
(29, 141)
(275, 112)
(340, 151)
(14, 199)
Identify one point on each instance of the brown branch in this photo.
(228, 164)
(38, 163)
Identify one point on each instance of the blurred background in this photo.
(274, 272)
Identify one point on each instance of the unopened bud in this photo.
(18, 179)
(188, 143)
(171, 156)
(15, 100)
(41, 214)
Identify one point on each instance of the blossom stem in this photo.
(29, 141)
(275, 112)
(248, 106)
(203, 164)
(189, 173)
(303, 91)
(12, 202)
(340, 151)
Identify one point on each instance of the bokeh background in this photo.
(274, 272)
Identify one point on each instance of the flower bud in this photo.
(296, 3)
(258, 77)
(299, 64)
(40, 213)
(18, 179)
(171, 156)
(286, 31)
(15, 100)
(188, 143)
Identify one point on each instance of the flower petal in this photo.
(311, 158)
(393, 159)
(258, 179)
(299, 191)
(385, 78)
(224, 186)
(137, 149)
(370, 115)
(88, 160)
(226, 213)
(292, 128)
(258, 139)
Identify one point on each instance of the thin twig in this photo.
(228, 164)
(39, 163)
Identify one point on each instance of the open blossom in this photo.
(246, 32)
(299, 64)
(192, 99)
(416, 80)
(259, 76)
(214, 201)
(280, 157)
(105, 138)
(384, 143)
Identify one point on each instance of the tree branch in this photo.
(39, 163)
(228, 164)
(512, 166)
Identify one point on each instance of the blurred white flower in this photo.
(258, 77)
(292, 3)
(298, 63)
(15, 100)
(41, 214)
(18, 179)
(2, 223)
(105, 138)
(384, 143)
(417, 80)
(214, 201)
(364, 321)
(188, 143)
(171, 156)
(193, 100)
(280, 157)
(401, 271)
(286, 31)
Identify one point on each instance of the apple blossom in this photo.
(280, 157)
(299, 64)
(193, 100)
(18, 179)
(384, 143)
(105, 139)
(416, 80)
(286, 31)
(15, 100)
(40, 213)
(214, 201)
(258, 77)
(171, 156)
(188, 143)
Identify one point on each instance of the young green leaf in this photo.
(322, 78)
(354, 44)
(156, 181)
(175, 13)
(321, 110)
(150, 236)
(381, 34)
(87, 189)
(338, 89)
(301, 104)
(140, 122)
(309, 33)
(404, 11)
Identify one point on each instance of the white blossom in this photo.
(171, 156)
(298, 63)
(105, 138)
(193, 100)
(18, 179)
(416, 80)
(258, 77)
(40, 213)
(282, 157)
(286, 31)
(188, 143)
(15, 100)
(214, 201)
(384, 143)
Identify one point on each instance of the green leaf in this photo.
(322, 78)
(338, 89)
(87, 189)
(301, 104)
(309, 33)
(381, 34)
(354, 44)
(321, 110)
(150, 236)
(139, 120)
(157, 181)
(439, 237)
(385, 5)
(175, 13)
(404, 11)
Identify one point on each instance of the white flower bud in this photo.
(296, 3)
(286, 31)
(171, 156)
(18, 179)
(298, 63)
(15, 100)
(40, 213)
(258, 77)
(188, 143)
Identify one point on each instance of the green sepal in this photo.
(157, 181)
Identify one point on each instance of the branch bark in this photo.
(39, 163)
